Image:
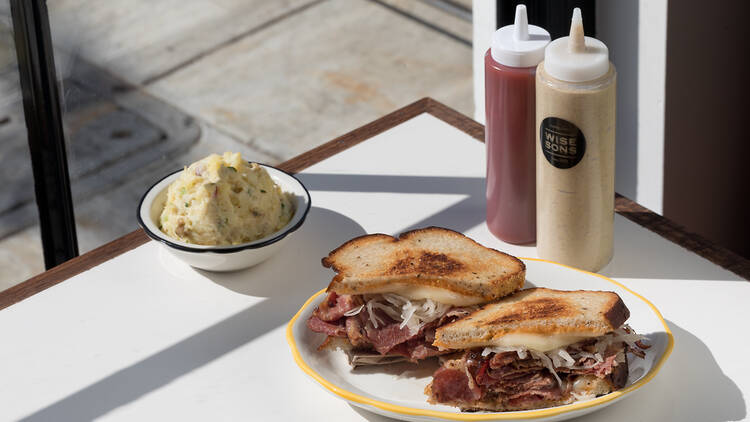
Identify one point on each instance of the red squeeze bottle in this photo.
(510, 134)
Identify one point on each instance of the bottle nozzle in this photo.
(519, 44)
(576, 40)
(521, 24)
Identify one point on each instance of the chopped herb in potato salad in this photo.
(224, 200)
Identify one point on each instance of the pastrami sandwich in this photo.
(390, 294)
(537, 348)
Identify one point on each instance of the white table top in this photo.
(144, 337)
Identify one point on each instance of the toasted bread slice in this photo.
(538, 318)
(433, 262)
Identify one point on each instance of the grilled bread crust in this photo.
(431, 257)
(536, 311)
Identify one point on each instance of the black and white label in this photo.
(563, 144)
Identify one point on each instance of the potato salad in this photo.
(224, 200)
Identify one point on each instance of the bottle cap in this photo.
(520, 44)
(576, 58)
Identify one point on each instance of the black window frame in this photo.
(44, 126)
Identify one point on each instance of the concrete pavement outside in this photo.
(268, 79)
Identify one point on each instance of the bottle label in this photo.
(563, 144)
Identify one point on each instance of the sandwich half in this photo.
(390, 294)
(537, 348)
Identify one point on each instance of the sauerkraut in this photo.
(413, 314)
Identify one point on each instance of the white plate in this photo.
(397, 390)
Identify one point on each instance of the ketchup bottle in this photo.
(510, 97)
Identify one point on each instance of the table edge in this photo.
(624, 206)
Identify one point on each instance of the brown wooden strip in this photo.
(354, 137)
(70, 268)
(624, 206)
(672, 231)
(455, 118)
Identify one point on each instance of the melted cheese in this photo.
(437, 294)
(538, 342)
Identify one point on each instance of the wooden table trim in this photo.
(70, 268)
(623, 206)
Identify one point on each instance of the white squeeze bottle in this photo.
(575, 151)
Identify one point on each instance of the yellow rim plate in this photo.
(533, 414)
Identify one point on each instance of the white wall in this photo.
(484, 17)
(636, 33)
(652, 70)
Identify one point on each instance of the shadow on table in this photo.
(461, 216)
(297, 273)
(638, 252)
(648, 255)
(690, 387)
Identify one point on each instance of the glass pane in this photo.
(148, 87)
(20, 244)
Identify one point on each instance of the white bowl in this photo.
(223, 258)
